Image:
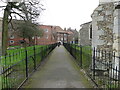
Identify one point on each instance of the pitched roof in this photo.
(86, 23)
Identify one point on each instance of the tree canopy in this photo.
(28, 10)
(29, 30)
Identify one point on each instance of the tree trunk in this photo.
(30, 41)
(5, 32)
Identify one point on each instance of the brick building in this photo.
(63, 35)
(51, 34)
(48, 35)
(54, 34)
(13, 37)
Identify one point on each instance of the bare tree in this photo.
(28, 10)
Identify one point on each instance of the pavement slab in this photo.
(57, 72)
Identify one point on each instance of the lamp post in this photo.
(73, 40)
(63, 37)
(67, 38)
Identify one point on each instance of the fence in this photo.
(81, 54)
(105, 71)
(99, 65)
(17, 67)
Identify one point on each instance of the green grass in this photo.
(86, 55)
(16, 59)
(16, 55)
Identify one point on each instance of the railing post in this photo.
(34, 59)
(81, 56)
(26, 62)
(45, 50)
(75, 53)
(42, 53)
(70, 48)
(93, 67)
(119, 74)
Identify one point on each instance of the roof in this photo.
(61, 31)
(46, 25)
(58, 29)
(69, 32)
(86, 23)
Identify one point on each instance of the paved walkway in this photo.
(59, 71)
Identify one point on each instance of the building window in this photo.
(73, 38)
(46, 37)
(11, 42)
(65, 35)
(46, 30)
(11, 36)
(90, 32)
(65, 38)
(58, 38)
(33, 37)
(61, 38)
(38, 37)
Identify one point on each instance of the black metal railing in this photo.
(106, 69)
(100, 66)
(79, 53)
(16, 67)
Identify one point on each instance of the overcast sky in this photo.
(68, 13)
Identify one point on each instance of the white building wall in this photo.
(116, 32)
(95, 32)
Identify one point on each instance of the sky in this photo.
(67, 13)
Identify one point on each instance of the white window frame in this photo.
(12, 36)
(12, 41)
(46, 30)
(38, 37)
(47, 37)
(33, 37)
(58, 38)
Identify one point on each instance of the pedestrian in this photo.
(59, 44)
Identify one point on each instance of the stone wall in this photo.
(102, 25)
(106, 28)
(84, 34)
(107, 1)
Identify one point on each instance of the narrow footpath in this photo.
(58, 71)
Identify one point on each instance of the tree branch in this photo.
(10, 18)
(12, 26)
(19, 15)
(34, 3)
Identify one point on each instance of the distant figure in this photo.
(59, 44)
